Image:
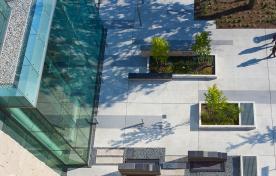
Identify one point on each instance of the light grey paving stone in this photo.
(125, 122)
(109, 152)
(109, 160)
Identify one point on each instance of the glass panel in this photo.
(35, 49)
(29, 81)
(247, 113)
(42, 130)
(67, 92)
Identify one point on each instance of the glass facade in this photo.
(4, 17)
(50, 108)
(67, 91)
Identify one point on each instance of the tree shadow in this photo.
(262, 38)
(255, 49)
(255, 139)
(144, 134)
(173, 21)
(253, 62)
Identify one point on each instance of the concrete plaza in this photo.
(244, 74)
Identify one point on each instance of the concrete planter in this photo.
(147, 75)
(247, 118)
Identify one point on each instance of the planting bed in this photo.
(216, 120)
(185, 65)
(246, 120)
(238, 13)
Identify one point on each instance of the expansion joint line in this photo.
(270, 101)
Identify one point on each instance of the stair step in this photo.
(174, 172)
(109, 160)
(110, 152)
(176, 159)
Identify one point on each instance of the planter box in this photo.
(247, 118)
(150, 76)
(168, 76)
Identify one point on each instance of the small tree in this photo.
(215, 100)
(218, 109)
(202, 45)
(160, 50)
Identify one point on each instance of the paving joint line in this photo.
(271, 109)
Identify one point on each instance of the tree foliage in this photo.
(218, 110)
(215, 100)
(160, 50)
(202, 45)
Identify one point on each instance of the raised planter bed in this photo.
(245, 121)
(183, 67)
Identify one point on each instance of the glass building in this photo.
(50, 106)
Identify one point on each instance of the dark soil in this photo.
(238, 13)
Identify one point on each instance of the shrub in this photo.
(202, 44)
(160, 50)
(215, 100)
(218, 110)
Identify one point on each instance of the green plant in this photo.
(215, 100)
(160, 50)
(217, 110)
(202, 46)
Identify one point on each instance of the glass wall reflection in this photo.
(67, 91)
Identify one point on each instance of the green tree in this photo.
(160, 50)
(218, 110)
(215, 101)
(202, 46)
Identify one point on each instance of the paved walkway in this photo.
(244, 73)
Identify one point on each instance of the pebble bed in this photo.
(14, 39)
